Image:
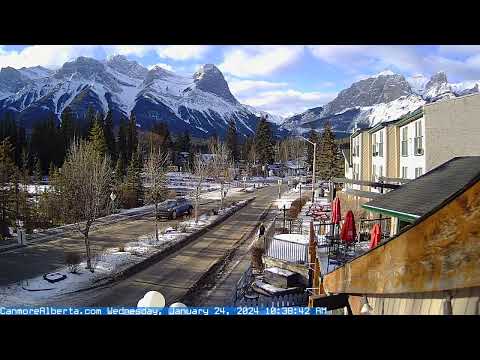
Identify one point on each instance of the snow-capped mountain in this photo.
(273, 118)
(383, 97)
(201, 104)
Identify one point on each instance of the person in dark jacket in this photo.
(261, 230)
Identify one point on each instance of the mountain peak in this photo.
(210, 79)
(437, 78)
(127, 67)
(84, 66)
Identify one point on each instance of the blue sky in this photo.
(281, 79)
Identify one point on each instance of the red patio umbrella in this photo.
(375, 235)
(349, 232)
(336, 215)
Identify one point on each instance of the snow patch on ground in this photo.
(107, 263)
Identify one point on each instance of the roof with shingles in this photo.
(429, 191)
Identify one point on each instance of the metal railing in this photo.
(262, 301)
(286, 250)
(366, 226)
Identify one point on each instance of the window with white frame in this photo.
(418, 140)
(356, 146)
(380, 143)
(405, 141)
(374, 145)
(404, 172)
(380, 171)
(418, 172)
(374, 172)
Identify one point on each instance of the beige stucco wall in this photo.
(452, 128)
(366, 166)
(392, 170)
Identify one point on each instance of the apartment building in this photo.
(384, 163)
(360, 158)
(416, 143)
(412, 145)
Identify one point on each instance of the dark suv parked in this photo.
(170, 209)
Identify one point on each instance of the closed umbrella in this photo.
(349, 232)
(375, 235)
(336, 215)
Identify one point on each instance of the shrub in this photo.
(172, 194)
(296, 207)
(73, 262)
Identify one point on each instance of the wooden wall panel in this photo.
(442, 252)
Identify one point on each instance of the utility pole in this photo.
(314, 164)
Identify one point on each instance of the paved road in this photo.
(174, 275)
(37, 259)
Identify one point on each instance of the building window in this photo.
(380, 144)
(356, 147)
(418, 172)
(404, 172)
(405, 141)
(374, 145)
(374, 172)
(380, 171)
(418, 140)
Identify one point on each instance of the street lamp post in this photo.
(314, 163)
(113, 197)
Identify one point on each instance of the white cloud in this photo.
(183, 52)
(247, 61)
(51, 56)
(459, 49)
(54, 56)
(241, 88)
(374, 57)
(460, 62)
(288, 102)
(162, 65)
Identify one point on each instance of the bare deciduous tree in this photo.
(221, 167)
(156, 187)
(84, 184)
(200, 169)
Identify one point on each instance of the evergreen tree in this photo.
(264, 142)
(165, 140)
(232, 141)
(46, 141)
(37, 170)
(109, 137)
(329, 162)
(122, 150)
(246, 148)
(119, 171)
(89, 121)
(134, 181)
(68, 129)
(97, 139)
(132, 136)
(7, 189)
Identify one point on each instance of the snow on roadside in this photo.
(107, 263)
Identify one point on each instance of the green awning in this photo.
(402, 216)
